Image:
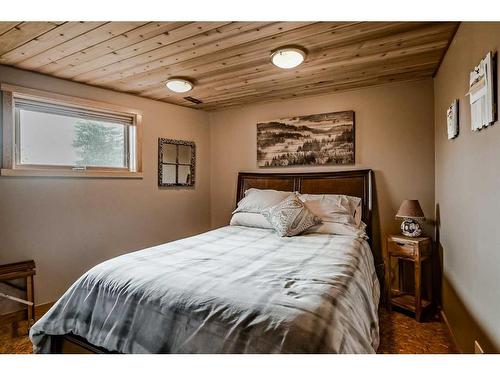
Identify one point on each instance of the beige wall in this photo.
(394, 137)
(467, 188)
(68, 225)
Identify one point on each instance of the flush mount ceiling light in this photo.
(288, 57)
(179, 85)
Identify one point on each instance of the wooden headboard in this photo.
(356, 183)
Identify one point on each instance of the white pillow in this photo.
(249, 219)
(256, 200)
(339, 229)
(357, 206)
(334, 208)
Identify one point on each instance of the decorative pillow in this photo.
(290, 217)
(256, 200)
(250, 219)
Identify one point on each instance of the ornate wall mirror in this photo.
(176, 162)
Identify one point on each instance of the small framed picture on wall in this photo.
(452, 119)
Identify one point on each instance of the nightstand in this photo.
(408, 249)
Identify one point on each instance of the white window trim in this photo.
(9, 167)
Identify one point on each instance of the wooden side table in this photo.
(416, 250)
(20, 270)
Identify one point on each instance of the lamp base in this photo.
(411, 228)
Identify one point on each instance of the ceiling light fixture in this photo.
(179, 85)
(288, 57)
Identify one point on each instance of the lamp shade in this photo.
(410, 208)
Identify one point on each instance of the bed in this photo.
(230, 290)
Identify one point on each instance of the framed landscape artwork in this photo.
(320, 139)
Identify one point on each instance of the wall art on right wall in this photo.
(452, 119)
(482, 93)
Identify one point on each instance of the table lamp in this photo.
(410, 211)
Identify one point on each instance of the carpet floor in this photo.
(399, 334)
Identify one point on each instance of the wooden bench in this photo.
(15, 271)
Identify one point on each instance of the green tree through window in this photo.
(99, 144)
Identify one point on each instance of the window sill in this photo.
(67, 173)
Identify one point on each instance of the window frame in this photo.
(10, 155)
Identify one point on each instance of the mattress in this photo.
(231, 290)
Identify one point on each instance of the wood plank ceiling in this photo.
(229, 62)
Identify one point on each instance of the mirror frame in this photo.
(164, 141)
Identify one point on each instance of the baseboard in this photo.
(452, 335)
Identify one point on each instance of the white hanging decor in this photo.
(481, 94)
(452, 119)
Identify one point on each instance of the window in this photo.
(68, 136)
